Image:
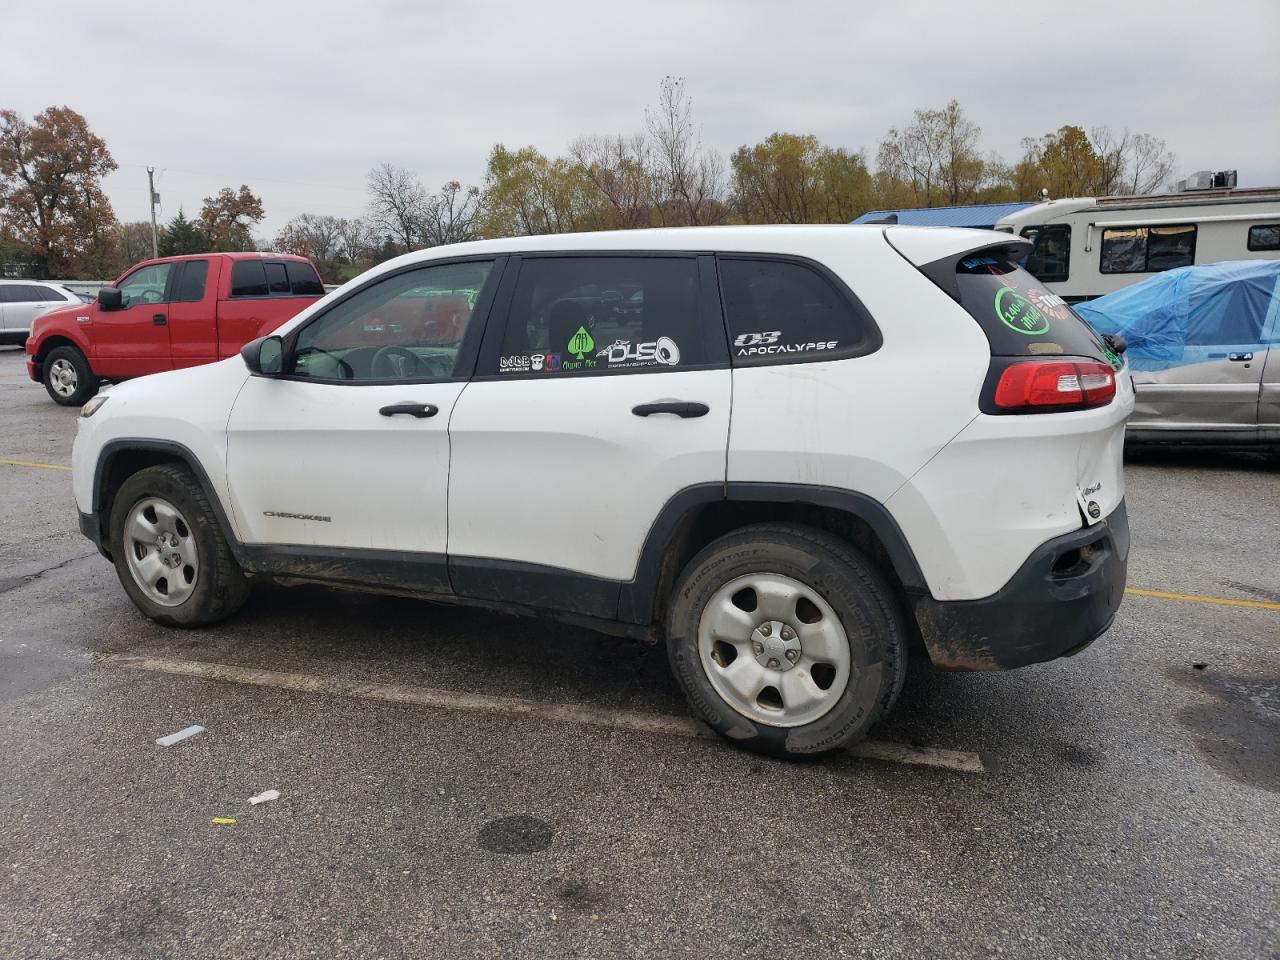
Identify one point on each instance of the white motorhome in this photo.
(1088, 246)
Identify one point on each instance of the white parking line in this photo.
(633, 720)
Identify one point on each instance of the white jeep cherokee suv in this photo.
(791, 452)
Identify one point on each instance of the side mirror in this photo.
(264, 356)
(109, 298)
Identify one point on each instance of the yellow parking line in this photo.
(1196, 598)
(30, 463)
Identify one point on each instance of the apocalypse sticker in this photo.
(766, 343)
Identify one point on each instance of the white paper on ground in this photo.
(173, 738)
(264, 796)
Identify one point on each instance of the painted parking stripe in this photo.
(633, 720)
(1197, 598)
(38, 466)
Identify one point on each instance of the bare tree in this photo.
(397, 204)
(451, 216)
(1150, 164)
(620, 170)
(356, 238)
(937, 156)
(310, 235)
(690, 179)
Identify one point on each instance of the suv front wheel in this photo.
(170, 552)
(786, 640)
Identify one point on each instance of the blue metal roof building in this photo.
(982, 215)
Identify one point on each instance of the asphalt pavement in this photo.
(459, 783)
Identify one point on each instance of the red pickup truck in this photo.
(164, 314)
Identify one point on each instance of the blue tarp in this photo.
(1192, 314)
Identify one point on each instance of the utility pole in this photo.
(155, 198)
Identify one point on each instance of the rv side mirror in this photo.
(264, 356)
(109, 298)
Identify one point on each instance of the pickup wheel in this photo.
(786, 640)
(170, 552)
(67, 377)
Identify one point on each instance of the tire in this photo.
(204, 584)
(67, 377)
(836, 595)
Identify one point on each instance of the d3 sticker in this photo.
(1018, 313)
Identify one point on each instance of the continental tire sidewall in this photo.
(850, 585)
(220, 586)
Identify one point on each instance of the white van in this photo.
(1089, 246)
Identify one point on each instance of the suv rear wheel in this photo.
(67, 377)
(170, 552)
(786, 640)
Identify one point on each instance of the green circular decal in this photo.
(1018, 313)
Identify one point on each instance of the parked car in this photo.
(788, 451)
(21, 301)
(1204, 348)
(167, 313)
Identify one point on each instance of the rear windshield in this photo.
(1019, 316)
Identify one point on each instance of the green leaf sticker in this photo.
(581, 343)
(1018, 313)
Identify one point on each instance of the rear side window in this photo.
(587, 315)
(1018, 315)
(1147, 249)
(191, 284)
(1265, 237)
(26, 293)
(248, 279)
(303, 279)
(782, 311)
(277, 279)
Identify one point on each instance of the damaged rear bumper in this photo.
(1061, 600)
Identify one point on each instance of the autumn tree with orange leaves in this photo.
(51, 199)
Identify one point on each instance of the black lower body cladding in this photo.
(1061, 600)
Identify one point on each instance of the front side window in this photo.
(588, 315)
(1050, 259)
(145, 285)
(408, 327)
(1147, 249)
(1265, 237)
(786, 312)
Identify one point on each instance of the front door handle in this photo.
(419, 410)
(1240, 357)
(158, 319)
(681, 408)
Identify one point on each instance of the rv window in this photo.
(1148, 249)
(1265, 237)
(1050, 260)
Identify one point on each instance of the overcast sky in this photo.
(300, 100)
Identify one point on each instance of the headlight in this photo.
(93, 406)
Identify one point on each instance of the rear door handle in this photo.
(681, 408)
(419, 410)
(1240, 357)
(158, 319)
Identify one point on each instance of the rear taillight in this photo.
(1031, 386)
